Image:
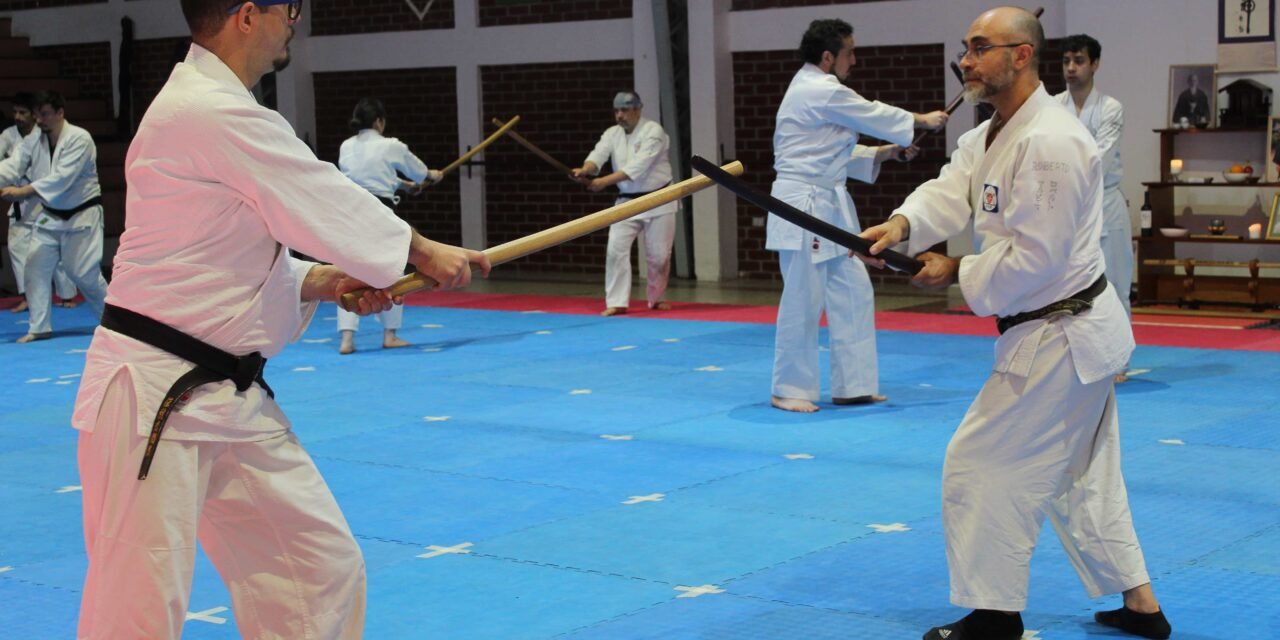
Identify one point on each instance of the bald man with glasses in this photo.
(1041, 440)
(181, 436)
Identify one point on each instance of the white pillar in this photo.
(470, 132)
(715, 219)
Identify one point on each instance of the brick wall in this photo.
(499, 12)
(89, 63)
(18, 5)
(911, 77)
(368, 16)
(422, 112)
(153, 61)
(564, 107)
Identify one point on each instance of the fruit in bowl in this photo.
(1173, 232)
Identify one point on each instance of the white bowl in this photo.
(1234, 178)
(1170, 232)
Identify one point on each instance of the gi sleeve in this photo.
(603, 150)
(408, 164)
(13, 169)
(73, 154)
(940, 208)
(652, 145)
(851, 111)
(1043, 216)
(862, 164)
(306, 204)
(306, 309)
(1108, 137)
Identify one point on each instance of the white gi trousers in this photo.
(1043, 445)
(842, 287)
(658, 233)
(1117, 244)
(19, 243)
(260, 510)
(79, 249)
(392, 318)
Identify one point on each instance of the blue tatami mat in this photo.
(533, 475)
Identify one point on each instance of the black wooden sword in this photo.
(801, 219)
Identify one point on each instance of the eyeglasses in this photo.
(981, 49)
(295, 6)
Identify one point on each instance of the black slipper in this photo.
(1147, 625)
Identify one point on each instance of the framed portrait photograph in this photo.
(1192, 98)
(1272, 173)
(1273, 221)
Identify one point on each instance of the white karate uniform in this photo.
(642, 155)
(217, 187)
(1042, 437)
(1103, 116)
(376, 162)
(815, 154)
(19, 241)
(63, 179)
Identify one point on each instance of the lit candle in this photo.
(1255, 231)
(1175, 167)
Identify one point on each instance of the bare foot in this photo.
(614, 311)
(68, 304)
(859, 400)
(660, 306)
(346, 348)
(1120, 377)
(392, 341)
(22, 306)
(32, 337)
(793, 404)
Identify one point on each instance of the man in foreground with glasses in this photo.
(1042, 437)
(816, 153)
(205, 289)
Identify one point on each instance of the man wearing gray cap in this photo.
(637, 149)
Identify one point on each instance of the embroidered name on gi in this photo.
(990, 198)
(1050, 165)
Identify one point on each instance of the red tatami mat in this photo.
(1202, 334)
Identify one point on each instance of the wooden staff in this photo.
(562, 233)
(559, 166)
(480, 147)
(803, 220)
(955, 102)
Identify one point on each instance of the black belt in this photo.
(1074, 305)
(640, 194)
(212, 365)
(391, 203)
(66, 214)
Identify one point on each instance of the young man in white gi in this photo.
(1042, 437)
(218, 187)
(377, 163)
(815, 152)
(1103, 116)
(636, 148)
(21, 213)
(61, 170)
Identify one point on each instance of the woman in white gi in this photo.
(1103, 116)
(637, 149)
(815, 152)
(1042, 437)
(376, 163)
